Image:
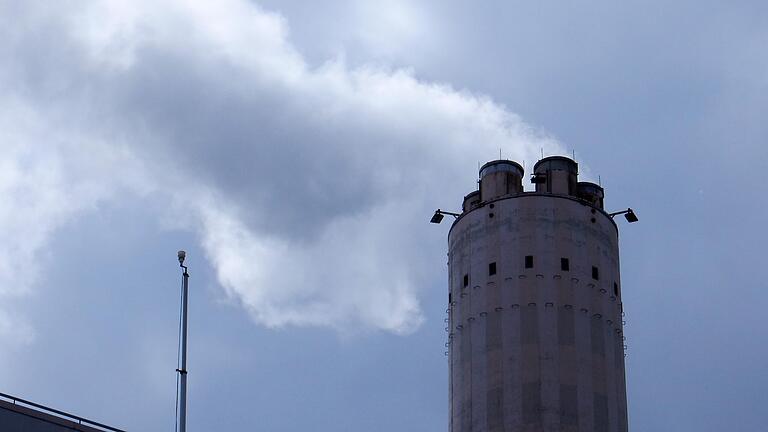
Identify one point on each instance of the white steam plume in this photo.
(309, 185)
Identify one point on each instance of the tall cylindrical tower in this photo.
(535, 333)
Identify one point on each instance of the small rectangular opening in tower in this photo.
(529, 261)
(565, 265)
(615, 289)
(466, 279)
(595, 273)
(491, 269)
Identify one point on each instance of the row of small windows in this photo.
(565, 265)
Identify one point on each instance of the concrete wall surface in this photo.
(535, 333)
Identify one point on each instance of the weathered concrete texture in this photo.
(538, 348)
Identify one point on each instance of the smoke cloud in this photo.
(308, 186)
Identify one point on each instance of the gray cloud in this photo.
(127, 131)
(308, 187)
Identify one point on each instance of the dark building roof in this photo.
(19, 415)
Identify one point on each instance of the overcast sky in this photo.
(297, 149)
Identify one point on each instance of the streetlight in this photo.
(439, 214)
(629, 215)
(182, 370)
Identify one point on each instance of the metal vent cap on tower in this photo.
(501, 165)
(500, 177)
(591, 192)
(557, 175)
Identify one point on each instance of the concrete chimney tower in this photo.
(535, 312)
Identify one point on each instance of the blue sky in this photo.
(296, 150)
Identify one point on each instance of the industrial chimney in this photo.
(535, 307)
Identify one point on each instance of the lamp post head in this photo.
(630, 216)
(437, 217)
(182, 254)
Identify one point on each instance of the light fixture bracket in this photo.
(629, 215)
(438, 216)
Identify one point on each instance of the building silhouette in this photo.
(20, 415)
(535, 305)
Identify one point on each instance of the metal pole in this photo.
(183, 365)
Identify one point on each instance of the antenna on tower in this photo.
(542, 152)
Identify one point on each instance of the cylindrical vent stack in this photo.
(499, 178)
(556, 174)
(591, 193)
(472, 199)
(535, 306)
